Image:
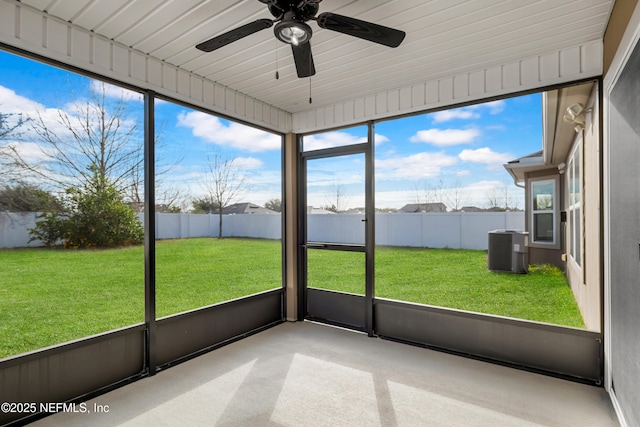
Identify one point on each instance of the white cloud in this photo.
(458, 113)
(484, 186)
(415, 166)
(234, 135)
(380, 139)
(463, 173)
(19, 107)
(113, 91)
(261, 197)
(394, 199)
(470, 112)
(247, 163)
(337, 139)
(31, 152)
(446, 137)
(484, 189)
(12, 103)
(495, 107)
(330, 139)
(485, 156)
(319, 178)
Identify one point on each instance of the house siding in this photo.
(585, 280)
(618, 22)
(546, 256)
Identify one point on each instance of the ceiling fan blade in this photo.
(235, 34)
(361, 29)
(304, 60)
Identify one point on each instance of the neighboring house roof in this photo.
(424, 207)
(312, 210)
(355, 210)
(471, 209)
(245, 208)
(162, 208)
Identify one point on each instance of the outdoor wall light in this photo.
(561, 167)
(575, 115)
(573, 111)
(292, 32)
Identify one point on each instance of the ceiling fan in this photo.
(291, 28)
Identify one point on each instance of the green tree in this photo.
(26, 198)
(96, 216)
(274, 205)
(204, 205)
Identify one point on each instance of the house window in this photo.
(543, 210)
(575, 204)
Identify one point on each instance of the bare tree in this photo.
(455, 196)
(223, 183)
(8, 127)
(10, 124)
(424, 193)
(510, 200)
(429, 192)
(93, 136)
(493, 198)
(338, 198)
(168, 198)
(502, 198)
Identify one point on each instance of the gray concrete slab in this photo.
(307, 374)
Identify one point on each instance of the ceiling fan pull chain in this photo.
(310, 100)
(277, 67)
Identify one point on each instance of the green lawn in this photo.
(197, 272)
(454, 278)
(49, 296)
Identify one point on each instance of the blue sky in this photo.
(453, 154)
(459, 151)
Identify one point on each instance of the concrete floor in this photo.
(307, 374)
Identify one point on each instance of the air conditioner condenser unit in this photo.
(508, 251)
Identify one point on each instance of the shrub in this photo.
(96, 216)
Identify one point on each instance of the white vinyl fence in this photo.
(185, 225)
(14, 229)
(460, 230)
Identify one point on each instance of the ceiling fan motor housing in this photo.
(303, 10)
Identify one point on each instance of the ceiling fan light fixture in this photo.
(292, 32)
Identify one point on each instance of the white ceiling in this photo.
(444, 37)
